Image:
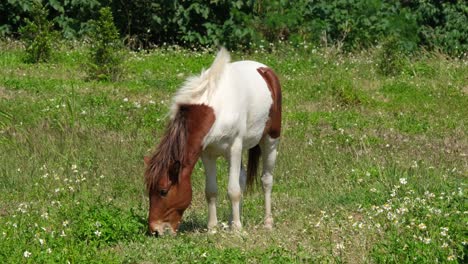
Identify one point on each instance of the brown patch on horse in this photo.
(181, 142)
(273, 126)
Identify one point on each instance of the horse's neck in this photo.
(199, 120)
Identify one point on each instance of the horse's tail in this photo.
(252, 165)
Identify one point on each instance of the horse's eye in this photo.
(163, 193)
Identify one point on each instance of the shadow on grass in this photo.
(192, 224)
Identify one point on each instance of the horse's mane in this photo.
(170, 149)
(197, 86)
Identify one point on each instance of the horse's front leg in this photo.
(234, 188)
(211, 189)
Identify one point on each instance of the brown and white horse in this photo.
(228, 108)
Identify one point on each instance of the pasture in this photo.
(370, 169)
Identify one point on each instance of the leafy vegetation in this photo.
(371, 167)
(349, 24)
(38, 35)
(106, 55)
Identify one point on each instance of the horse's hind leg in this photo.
(211, 189)
(268, 146)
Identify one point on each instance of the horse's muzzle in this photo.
(161, 229)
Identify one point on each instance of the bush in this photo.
(390, 57)
(106, 49)
(38, 35)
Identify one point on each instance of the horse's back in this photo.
(241, 105)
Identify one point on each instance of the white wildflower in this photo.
(422, 226)
(444, 231)
(403, 181)
(340, 246)
(97, 233)
(27, 254)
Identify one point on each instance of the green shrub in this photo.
(390, 57)
(106, 49)
(38, 35)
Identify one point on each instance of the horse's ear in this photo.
(147, 160)
(174, 171)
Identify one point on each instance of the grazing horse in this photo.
(228, 108)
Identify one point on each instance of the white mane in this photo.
(196, 87)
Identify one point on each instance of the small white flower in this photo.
(444, 231)
(65, 223)
(73, 167)
(340, 246)
(444, 245)
(373, 190)
(451, 257)
(27, 254)
(403, 181)
(422, 226)
(97, 224)
(48, 250)
(125, 99)
(97, 233)
(41, 241)
(426, 240)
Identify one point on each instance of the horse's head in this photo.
(169, 196)
(169, 169)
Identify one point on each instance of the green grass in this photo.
(370, 168)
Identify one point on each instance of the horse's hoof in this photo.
(268, 223)
(236, 227)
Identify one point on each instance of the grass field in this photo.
(371, 169)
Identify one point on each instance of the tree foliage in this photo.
(351, 24)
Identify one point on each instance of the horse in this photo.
(226, 109)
